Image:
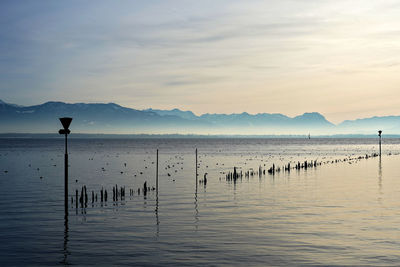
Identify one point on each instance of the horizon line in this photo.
(2, 135)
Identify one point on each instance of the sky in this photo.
(339, 58)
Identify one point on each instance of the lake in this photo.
(342, 211)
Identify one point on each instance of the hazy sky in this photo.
(339, 58)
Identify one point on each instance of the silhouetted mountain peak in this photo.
(174, 112)
(312, 119)
(311, 115)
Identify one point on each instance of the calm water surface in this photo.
(345, 213)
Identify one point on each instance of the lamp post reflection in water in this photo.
(380, 175)
(66, 237)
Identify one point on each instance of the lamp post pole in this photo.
(66, 173)
(196, 169)
(65, 122)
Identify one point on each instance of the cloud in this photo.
(135, 52)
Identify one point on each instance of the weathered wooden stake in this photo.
(86, 197)
(196, 167)
(157, 173)
(81, 198)
(76, 198)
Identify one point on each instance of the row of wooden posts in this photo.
(83, 199)
(272, 170)
(120, 193)
(233, 176)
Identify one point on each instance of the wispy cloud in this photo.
(194, 54)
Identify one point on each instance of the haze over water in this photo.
(343, 213)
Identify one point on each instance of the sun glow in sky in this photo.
(339, 58)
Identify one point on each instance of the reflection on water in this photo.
(65, 245)
(380, 175)
(157, 218)
(334, 214)
(196, 211)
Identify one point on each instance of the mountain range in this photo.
(112, 118)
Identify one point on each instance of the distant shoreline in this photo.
(183, 136)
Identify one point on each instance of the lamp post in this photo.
(380, 142)
(65, 123)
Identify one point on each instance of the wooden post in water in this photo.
(157, 173)
(380, 142)
(196, 167)
(76, 198)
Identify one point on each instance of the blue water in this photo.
(344, 213)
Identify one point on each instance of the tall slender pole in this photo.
(380, 142)
(66, 175)
(157, 174)
(157, 219)
(196, 167)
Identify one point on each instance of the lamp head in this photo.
(379, 132)
(65, 122)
